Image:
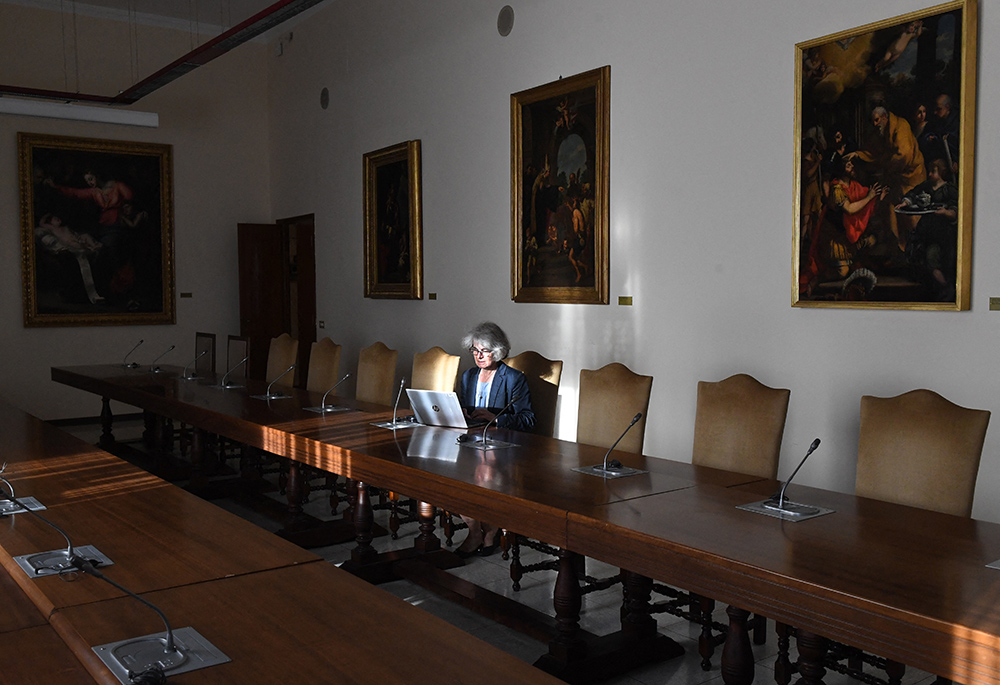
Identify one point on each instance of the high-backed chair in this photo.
(204, 343)
(738, 426)
(434, 369)
(609, 398)
(376, 374)
(237, 348)
(543, 382)
(283, 352)
(324, 365)
(920, 450)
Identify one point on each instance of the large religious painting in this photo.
(97, 231)
(884, 132)
(559, 190)
(393, 234)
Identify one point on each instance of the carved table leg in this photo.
(783, 668)
(737, 658)
(199, 481)
(706, 641)
(293, 488)
(812, 653)
(107, 440)
(426, 541)
(638, 623)
(568, 645)
(363, 521)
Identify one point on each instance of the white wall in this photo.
(701, 204)
(215, 121)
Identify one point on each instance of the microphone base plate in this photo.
(398, 423)
(229, 386)
(10, 507)
(193, 652)
(599, 471)
(54, 562)
(328, 409)
(272, 396)
(792, 511)
(487, 444)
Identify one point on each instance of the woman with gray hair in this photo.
(486, 391)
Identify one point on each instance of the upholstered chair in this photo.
(609, 398)
(376, 374)
(282, 353)
(434, 369)
(543, 382)
(324, 365)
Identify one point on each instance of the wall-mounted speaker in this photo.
(505, 20)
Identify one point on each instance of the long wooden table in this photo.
(272, 607)
(910, 585)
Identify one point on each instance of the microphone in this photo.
(225, 379)
(615, 464)
(153, 368)
(268, 395)
(193, 376)
(131, 365)
(322, 405)
(513, 399)
(778, 502)
(402, 382)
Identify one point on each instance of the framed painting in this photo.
(393, 234)
(97, 231)
(885, 139)
(559, 171)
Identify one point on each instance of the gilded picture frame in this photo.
(884, 163)
(393, 225)
(560, 181)
(97, 231)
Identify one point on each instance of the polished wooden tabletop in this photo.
(905, 583)
(38, 656)
(307, 624)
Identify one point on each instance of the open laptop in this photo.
(434, 408)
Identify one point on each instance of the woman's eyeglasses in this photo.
(476, 352)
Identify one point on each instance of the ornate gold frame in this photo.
(77, 154)
(387, 160)
(805, 262)
(527, 109)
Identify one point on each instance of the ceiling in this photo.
(220, 26)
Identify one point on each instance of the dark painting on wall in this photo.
(96, 231)
(559, 190)
(393, 232)
(885, 118)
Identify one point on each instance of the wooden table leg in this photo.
(638, 623)
(737, 657)
(199, 480)
(812, 653)
(568, 645)
(364, 519)
(426, 541)
(107, 439)
(783, 668)
(293, 488)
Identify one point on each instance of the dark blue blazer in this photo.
(507, 384)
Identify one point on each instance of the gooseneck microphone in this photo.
(322, 405)
(153, 368)
(191, 377)
(513, 399)
(131, 365)
(225, 379)
(402, 383)
(615, 464)
(274, 395)
(778, 501)
(70, 553)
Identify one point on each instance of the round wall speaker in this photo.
(324, 98)
(505, 20)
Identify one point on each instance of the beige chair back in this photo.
(543, 382)
(434, 369)
(376, 374)
(324, 365)
(609, 398)
(283, 352)
(739, 424)
(205, 365)
(921, 450)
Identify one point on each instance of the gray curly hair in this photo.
(490, 336)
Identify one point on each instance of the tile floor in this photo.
(599, 613)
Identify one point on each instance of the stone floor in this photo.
(599, 615)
